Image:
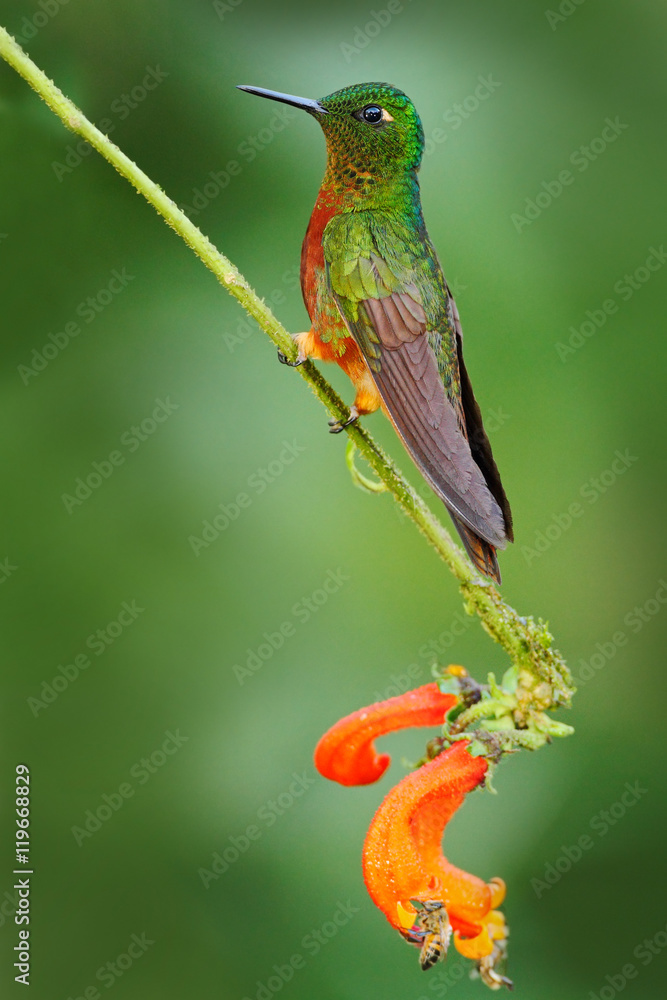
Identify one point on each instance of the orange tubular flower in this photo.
(346, 753)
(420, 892)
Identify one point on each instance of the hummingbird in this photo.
(380, 306)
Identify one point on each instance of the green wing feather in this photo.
(389, 288)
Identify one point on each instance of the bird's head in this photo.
(370, 128)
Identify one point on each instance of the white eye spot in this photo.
(386, 117)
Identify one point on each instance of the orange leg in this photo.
(367, 399)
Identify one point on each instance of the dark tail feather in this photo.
(482, 554)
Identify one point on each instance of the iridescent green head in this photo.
(369, 127)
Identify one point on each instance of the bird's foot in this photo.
(284, 360)
(336, 426)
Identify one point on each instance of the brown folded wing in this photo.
(405, 370)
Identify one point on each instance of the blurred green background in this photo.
(167, 332)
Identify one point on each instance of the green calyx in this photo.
(500, 718)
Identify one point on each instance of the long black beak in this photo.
(305, 103)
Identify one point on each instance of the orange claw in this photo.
(346, 753)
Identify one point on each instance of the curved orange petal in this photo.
(402, 857)
(346, 753)
(494, 929)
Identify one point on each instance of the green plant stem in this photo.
(544, 674)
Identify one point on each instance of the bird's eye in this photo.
(372, 114)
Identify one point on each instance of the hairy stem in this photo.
(526, 641)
